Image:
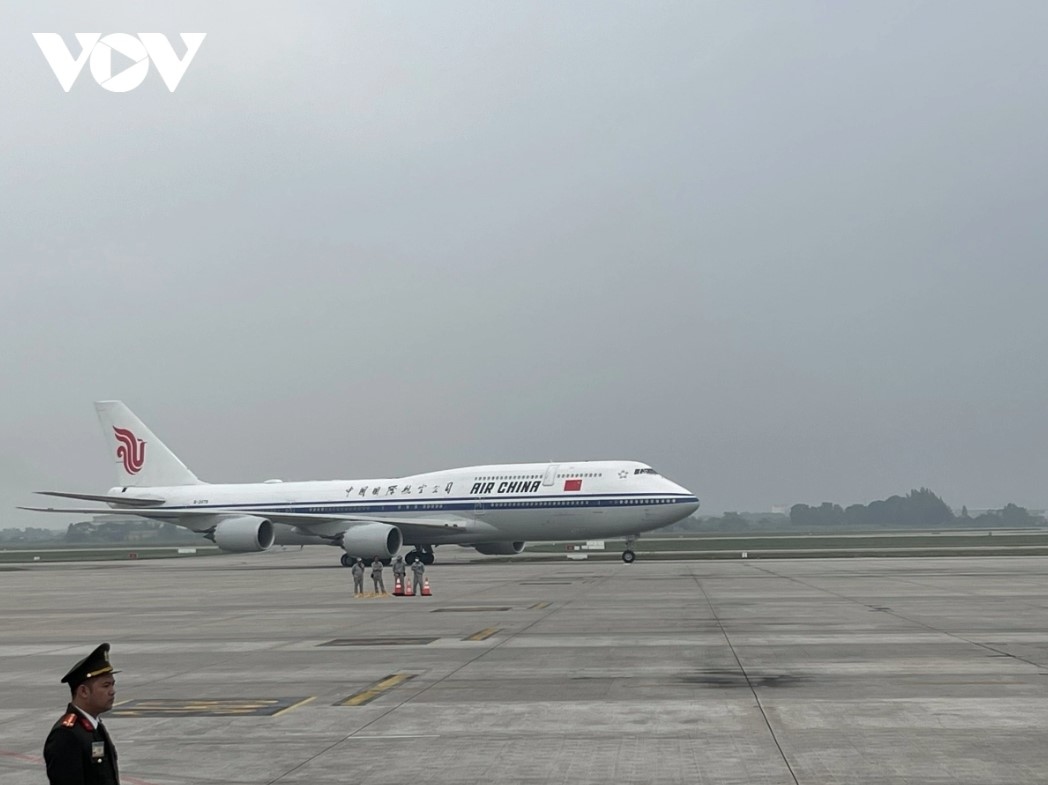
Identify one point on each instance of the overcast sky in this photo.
(784, 252)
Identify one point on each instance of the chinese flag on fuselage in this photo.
(573, 485)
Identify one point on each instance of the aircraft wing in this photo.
(303, 520)
(123, 501)
(139, 511)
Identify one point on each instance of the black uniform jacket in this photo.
(77, 754)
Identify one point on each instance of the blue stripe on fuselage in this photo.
(473, 504)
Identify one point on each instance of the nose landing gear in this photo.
(628, 555)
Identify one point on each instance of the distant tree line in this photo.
(917, 509)
(127, 531)
(28, 534)
(87, 532)
(1009, 515)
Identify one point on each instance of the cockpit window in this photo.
(645, 471)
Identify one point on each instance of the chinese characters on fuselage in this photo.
(391, 490)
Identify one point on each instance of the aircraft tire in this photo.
(428, 558)
(628, 557)
(346, 561)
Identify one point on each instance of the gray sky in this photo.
(785, 252)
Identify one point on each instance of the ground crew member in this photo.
(78, 750)
(417, 568)
(358, 577)
(400, 570)
(376, 576)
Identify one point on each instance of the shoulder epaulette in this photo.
(69, 720)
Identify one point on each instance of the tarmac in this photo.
(264, 669)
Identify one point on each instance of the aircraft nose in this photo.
(688, 504)
(691, 504)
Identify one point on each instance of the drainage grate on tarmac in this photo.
(379, 642)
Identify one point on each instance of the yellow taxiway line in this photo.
(376, 689)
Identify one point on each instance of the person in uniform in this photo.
(376, 576)
(400, 570)
(78, 750)
(358, 578)
(417, 568)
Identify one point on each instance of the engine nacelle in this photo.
(244, 534)
(500, 548)
(366, 540)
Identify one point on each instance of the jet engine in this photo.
(366, 540)
(500, 548)
(244, 534)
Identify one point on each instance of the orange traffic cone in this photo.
(398, 587)
(425, 587)
(408, 591)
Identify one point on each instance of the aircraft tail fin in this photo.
(140, 458)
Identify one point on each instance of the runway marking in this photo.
(472, 609)
(483, 634)
(376, 689)
(302, 702)
(539, 605)
(378, 642)
(206, 707)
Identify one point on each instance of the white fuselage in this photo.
(499, 503)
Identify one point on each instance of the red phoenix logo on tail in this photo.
(130, 450)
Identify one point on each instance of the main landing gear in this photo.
(628, 555)
(423, 553)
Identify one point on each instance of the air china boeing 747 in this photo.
(493, 509)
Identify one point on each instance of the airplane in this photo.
(493, 509)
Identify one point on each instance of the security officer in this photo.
(399, 569)
(376, 576)
(358, 578)
(78, 750)
(417, 568)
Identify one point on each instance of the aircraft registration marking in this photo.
(376, 689)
